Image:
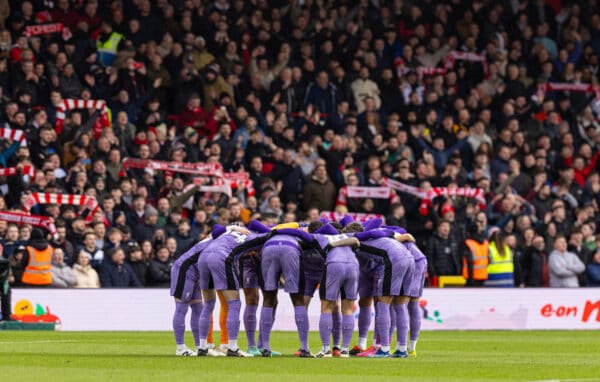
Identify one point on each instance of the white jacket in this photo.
(87, 277)
(564, 268)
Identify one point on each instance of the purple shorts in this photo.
(311, 263)
(368, 270)
(184, 284)
(214, 274)
(386, 279)
(280, 260)
(339, 278)
(249, 270)
(414, 287)
(312, 279)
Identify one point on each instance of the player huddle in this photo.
(379, 265)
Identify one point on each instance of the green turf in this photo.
(443, 356)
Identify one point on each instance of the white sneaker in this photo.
(185, 353)
(323, 354)
(215, 353)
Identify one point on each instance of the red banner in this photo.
(12, 171)
(34, 220)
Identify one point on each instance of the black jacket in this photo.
(159, 273)
(443, 256)
(532, 266)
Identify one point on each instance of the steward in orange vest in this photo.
(38, 259)
(476, 259)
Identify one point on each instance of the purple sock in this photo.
(301, 317)
(392, 323)
(179, 322)
(233, 319)
(266, 323)
(401, 323)
(376, 339)
(364, 321)
(250, 324)
(347, 330)
(325, 325)
(382, 322)
(195, 322)
(207, 311)
(336, 327)
(415, 319)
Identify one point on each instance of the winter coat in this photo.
(87, 277)
(159, 273)
(532, 264)
(63, 276)
(117, 276)
(564, 269)
(593, 274)
(319, 194)
(443, 256)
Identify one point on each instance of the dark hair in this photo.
(313, 226)
(353, 227)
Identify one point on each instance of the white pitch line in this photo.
(38, 342)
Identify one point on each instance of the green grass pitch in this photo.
(442, 356)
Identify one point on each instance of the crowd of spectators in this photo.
(307, 97)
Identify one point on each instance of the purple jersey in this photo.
(185, 273)
(335, 254)
(224, 244)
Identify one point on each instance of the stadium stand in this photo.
(129, 128)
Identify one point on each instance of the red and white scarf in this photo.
(13, 134)
(457, 55)
(569, 87)
(423, 71)
(12, 171)
(356, 216)
(34, 220)
(42, 29)
(64, 199)
(71, 104)
(213, 185)
(233, 179)
(210, 169)
(428, 196)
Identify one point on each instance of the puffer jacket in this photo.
(443, 256)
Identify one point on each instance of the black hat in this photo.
(37, 234)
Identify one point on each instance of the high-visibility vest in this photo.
(480, 260)
(501, 268)
(499, 263)
(107, 50)
(37, 271)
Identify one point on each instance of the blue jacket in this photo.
(4, 155)
(323, 99)
(593, 274)
(117, 276)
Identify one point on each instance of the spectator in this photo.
(116, 273)
(62, 274)
(593, 270)
(159, 271)
(564, 266)
(442, 251)
(89, 246)
(139, 262)
(534, 264)
(86, 276)
(319, 191)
